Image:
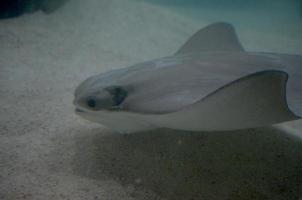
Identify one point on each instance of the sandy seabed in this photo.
(47, 152)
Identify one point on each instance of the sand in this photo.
(47, 152)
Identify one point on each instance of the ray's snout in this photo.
(81, 92)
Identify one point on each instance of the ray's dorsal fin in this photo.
(219, 36)
(256, 100)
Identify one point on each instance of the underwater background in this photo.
(47, 152)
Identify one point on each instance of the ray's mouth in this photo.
(78, 110)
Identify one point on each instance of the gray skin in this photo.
(174, 89)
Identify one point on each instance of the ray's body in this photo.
(210, 84)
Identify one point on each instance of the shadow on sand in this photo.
(251, 164)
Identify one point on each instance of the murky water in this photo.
(47, 152)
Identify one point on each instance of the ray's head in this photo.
(91, 96)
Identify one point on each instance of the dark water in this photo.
(265, 17)
(16, 8)
(234, 4)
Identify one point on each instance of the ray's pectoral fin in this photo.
(254, 101)
(219, 36)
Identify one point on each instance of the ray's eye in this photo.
(91, 103)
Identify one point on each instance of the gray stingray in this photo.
(210, 84)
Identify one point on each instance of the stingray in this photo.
(210, 84)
